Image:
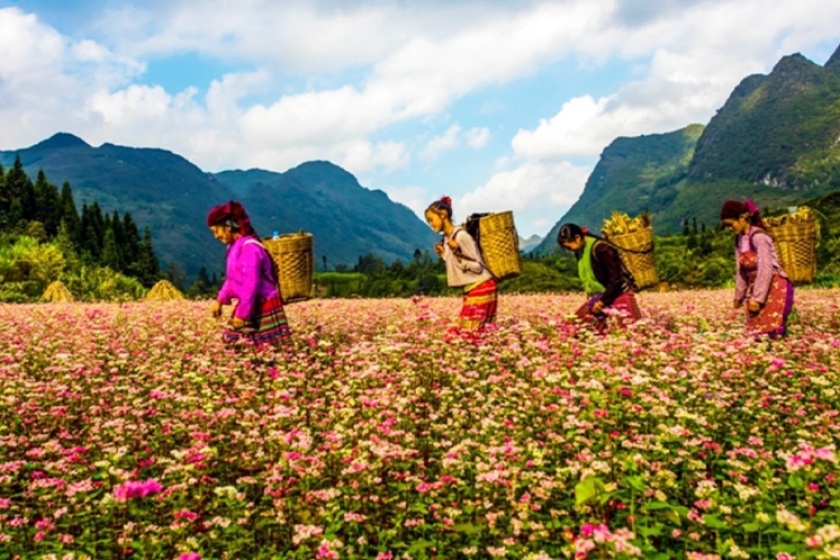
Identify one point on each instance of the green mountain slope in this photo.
(633, 175)
(169, 194)
(348, 220)
(775, 140)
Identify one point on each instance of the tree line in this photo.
(43, 237)
(97, 255)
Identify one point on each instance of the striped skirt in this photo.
(624, 310)
(269, 327)
(772, 318)
(479, 307)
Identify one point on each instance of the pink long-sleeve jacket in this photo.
(249, 277)
(768, 263)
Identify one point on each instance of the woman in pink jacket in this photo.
(258, 316)
(761, 286)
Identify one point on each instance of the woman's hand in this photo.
(216, 309)
(237, 322)
(754, 306)
(439, 249)
(597, 307)
(452, 244)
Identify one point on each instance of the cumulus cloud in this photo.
(446, 141)
(357, 83)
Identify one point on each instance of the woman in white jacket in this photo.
(464, 267)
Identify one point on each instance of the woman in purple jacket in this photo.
(762, 288)
(258, 316)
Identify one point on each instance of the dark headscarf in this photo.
(734, 209)
(233, 214)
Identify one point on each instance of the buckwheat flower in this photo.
(785, 556)
(384, 556)
(790, 520)
(190, 556)
(497, 551)
(828, 533)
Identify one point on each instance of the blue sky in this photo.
(502, 105)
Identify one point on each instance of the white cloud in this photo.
(550, 184)
(537, 192)
(477, 137)
(446, 141)
(356, 82)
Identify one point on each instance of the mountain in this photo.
(346, 219)
(632, 175)
(526, 245)
(169, 194)
(775, 140)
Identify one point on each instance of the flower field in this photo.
(130, 431)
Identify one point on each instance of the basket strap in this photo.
(463, 256)
(252, 241)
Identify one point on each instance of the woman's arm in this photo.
(763, 244)
(469, 249)
(247, 266)
(607, 268)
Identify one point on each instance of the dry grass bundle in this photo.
(634, 239)
(621, 224)
(163, 290)
(57, 292)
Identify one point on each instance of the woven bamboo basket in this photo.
(500, 244)
(292, 253)
(796, 247)
(639, 258)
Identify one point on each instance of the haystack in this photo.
(164, 291)
(56, 292)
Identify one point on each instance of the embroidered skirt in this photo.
(772, 318)
(270, 326)
(479, 307)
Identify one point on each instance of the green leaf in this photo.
(650, 506)
(637, 482)
(752, 527)
(673, 517)
(588, 489)
(714, 522)
(652, 531)
(466, 528)
(418, 546)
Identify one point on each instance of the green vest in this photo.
(587, 275)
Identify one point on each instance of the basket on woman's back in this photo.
(497, 239)
(294, 264)
(633, 237)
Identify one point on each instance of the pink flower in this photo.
(135, 489)
(190, 556)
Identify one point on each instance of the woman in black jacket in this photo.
(607, 283)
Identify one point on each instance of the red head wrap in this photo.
(233, 214)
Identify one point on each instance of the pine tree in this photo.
(146, 267)
(65, 243)
(4, 198)
(21, 196)
(131, 245)
(69, 215)
(110, 251)
(47, 204)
